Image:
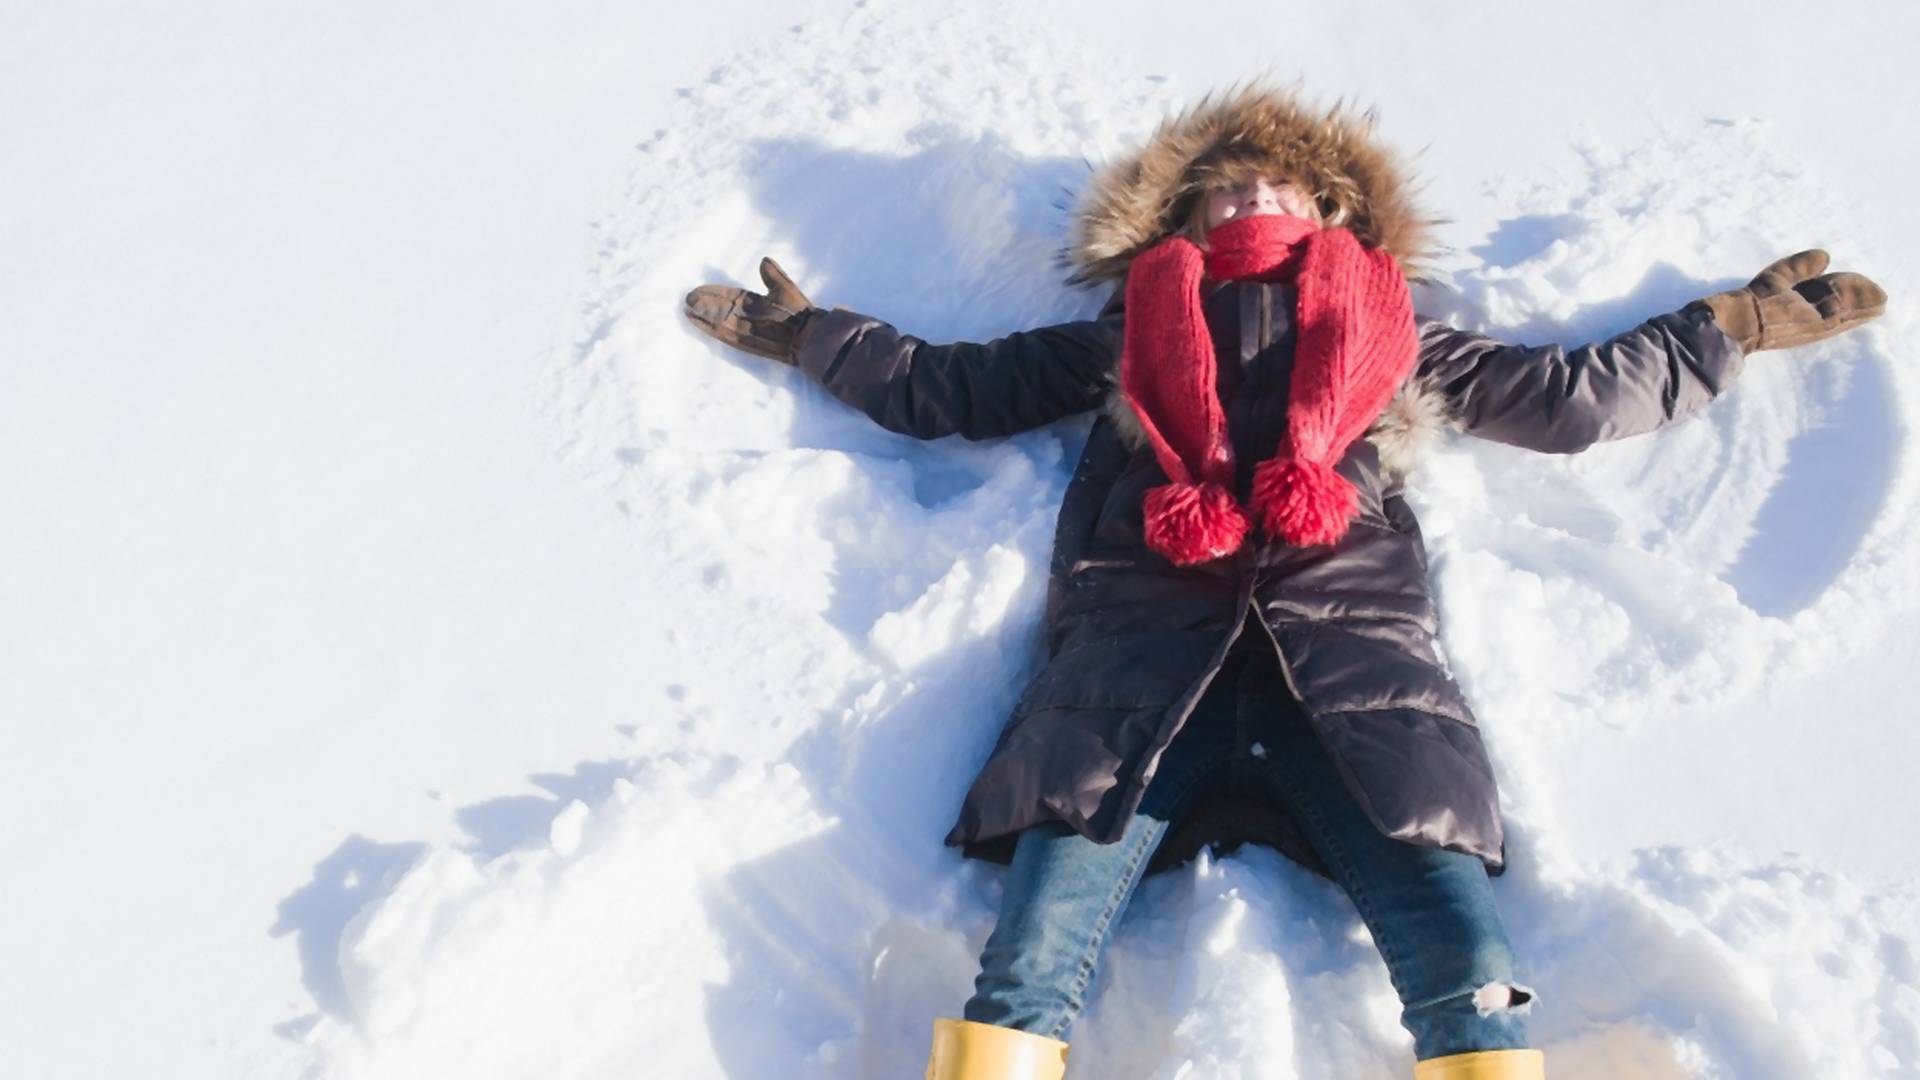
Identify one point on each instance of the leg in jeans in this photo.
(1431, 911)
(1064, 893)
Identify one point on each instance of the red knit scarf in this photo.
(1355, 346)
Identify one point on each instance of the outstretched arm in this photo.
(980, 391)
(1562, 401)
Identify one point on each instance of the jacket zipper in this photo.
(1280, 654)
(1150, 767)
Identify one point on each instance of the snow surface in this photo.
(347, 485)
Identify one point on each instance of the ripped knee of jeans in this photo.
(1495, 997)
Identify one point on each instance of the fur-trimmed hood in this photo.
(1145, 196)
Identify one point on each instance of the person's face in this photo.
(1260, 196)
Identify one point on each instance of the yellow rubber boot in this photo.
(965, 1050)
(1484, 1065)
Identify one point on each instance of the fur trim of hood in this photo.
(1143, 197)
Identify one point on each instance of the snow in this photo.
(428, 656)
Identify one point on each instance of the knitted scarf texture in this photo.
(1355, 345)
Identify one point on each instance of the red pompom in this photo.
(1304, 503)
(1193, 523)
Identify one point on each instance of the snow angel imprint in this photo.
(1240, 632)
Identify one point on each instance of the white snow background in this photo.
(422, 655)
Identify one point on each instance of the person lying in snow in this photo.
(1239, 627)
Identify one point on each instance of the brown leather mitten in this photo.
(1788, 305)
(766, 326)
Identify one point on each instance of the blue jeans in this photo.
(1431, 911)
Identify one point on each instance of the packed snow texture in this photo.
(760, 891)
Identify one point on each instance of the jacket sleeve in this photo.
(1552, 399)
(980, 391)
